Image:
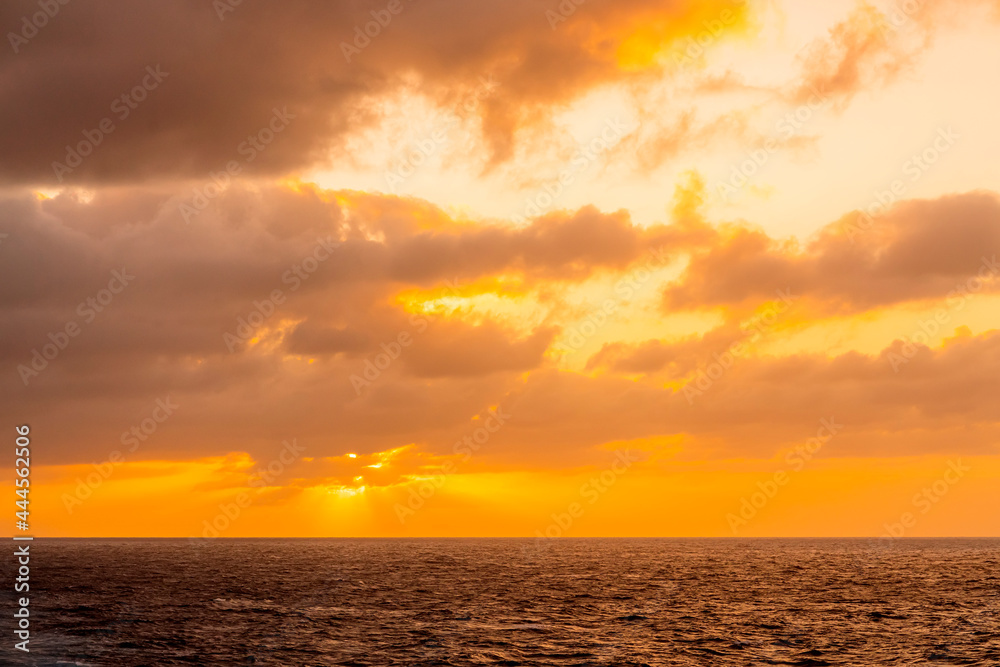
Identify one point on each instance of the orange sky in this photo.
(633, 268)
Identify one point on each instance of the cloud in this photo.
(866, 51)
(191, 285)
(313, 340)
(404, 266)
(216, 92)
(763, 404)
(451, 349)
(680, 357)
(921, 249)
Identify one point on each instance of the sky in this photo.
(523, 268)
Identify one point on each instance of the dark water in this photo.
(505, 602)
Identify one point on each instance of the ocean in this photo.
(511, 602)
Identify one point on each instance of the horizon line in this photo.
(528, 537)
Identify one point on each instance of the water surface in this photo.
(512, 602)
